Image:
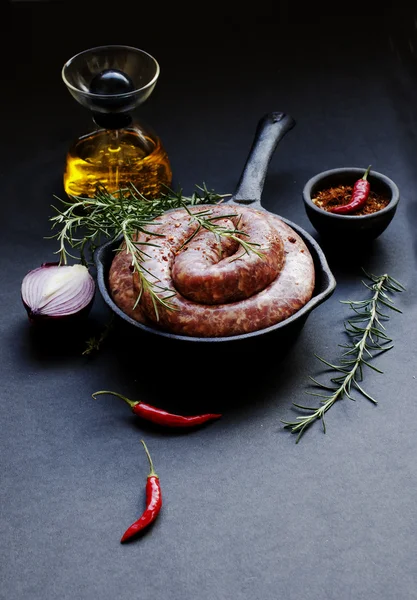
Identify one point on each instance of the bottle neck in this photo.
(112, 120)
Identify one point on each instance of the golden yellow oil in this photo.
(114, 159)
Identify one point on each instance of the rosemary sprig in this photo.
(204, 221)
(94, 343)
(111, 215)
(368, 338)
(123, 214)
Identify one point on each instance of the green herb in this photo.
(220, 230)
(95, 343)
(368, 336)
(83, 223)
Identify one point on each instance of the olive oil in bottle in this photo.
(116, 158)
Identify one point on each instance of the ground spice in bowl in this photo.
(343, 204)
(340, 195)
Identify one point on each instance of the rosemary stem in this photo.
(370, 313)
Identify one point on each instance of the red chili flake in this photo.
(348, 199)
(360, 194)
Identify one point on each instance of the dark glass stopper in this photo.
(110, 82)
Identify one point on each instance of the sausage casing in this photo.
(219, 288)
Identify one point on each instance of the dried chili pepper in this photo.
(162, 417)
(153, 502)
(359, 196)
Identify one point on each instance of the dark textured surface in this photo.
(247, 513)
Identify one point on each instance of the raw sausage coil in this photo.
(220, 289)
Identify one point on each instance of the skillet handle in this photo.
(270, 130)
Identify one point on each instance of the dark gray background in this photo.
(247, 513)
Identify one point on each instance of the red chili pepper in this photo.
(360, 195)
(153, 502)
(162, 417)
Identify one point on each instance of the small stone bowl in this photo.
(359, 228)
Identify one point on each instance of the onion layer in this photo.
(55, 291)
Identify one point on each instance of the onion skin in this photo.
(54, 293)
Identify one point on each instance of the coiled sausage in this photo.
(219, 288)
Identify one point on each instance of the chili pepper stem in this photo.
(152, 472)
(131, 403)
(365, 175)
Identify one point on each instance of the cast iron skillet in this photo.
(270, 130)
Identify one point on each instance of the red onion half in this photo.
(55, 291)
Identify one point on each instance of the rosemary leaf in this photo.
(335, 367)
(319, 384)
